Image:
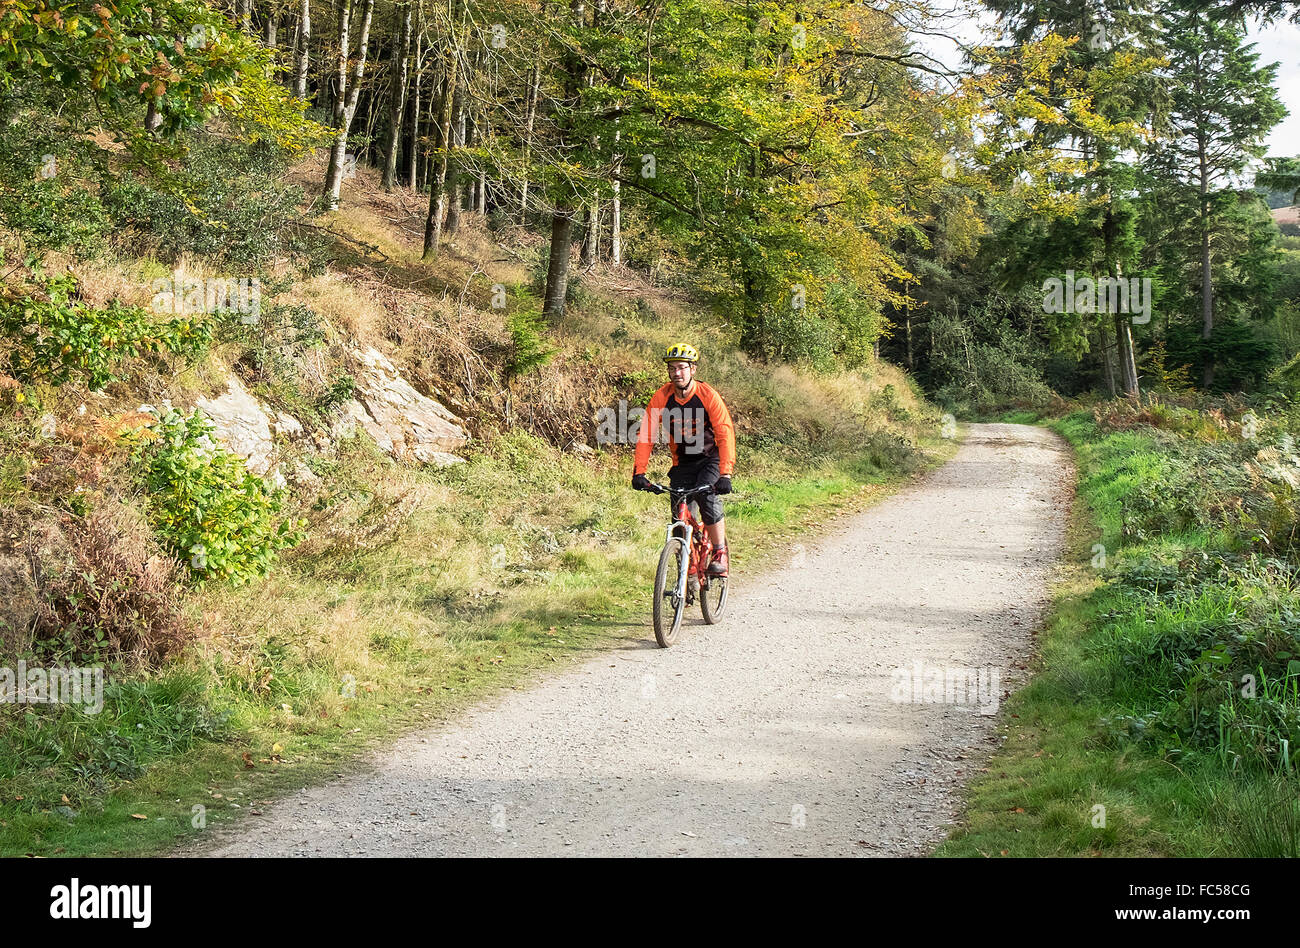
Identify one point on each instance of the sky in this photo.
(1279, 42)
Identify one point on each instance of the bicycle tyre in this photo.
(670, 569)
(714, 600)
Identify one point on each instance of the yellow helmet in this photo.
(681, 352)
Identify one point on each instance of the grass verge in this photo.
(1138, 735)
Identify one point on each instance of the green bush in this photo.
(51, 215)
(207, 508)
(47, 191)
(55, 339)
(228, 202)
(980, 361)
(530, 350)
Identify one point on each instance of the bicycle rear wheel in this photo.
(669, 606)
(714, 599)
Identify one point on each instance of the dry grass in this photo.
(73, 581)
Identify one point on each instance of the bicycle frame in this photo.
(697, 546)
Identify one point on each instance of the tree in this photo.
(347, 95)
(397, 95)
(1088, 96)
(304, 50)
(1222, 106)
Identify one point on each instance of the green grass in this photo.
(1132, 739)
(516, 563)
(1023, 416)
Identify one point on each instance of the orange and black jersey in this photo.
(697, 428)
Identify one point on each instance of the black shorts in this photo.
(698, 474)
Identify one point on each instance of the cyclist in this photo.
(701, 438)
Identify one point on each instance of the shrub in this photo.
(51, 215)
(92, 588)
(46, 198)
(59, 337)
(228, 202)
(207, 508)
(530, 349)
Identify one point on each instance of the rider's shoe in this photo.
(719, 565)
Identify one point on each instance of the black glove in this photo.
(722, 485)
(640, 482)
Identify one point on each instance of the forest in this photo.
(838, 192)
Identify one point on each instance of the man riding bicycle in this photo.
(701, 438)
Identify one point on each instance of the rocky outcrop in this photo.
(404, 423)
(242, 424)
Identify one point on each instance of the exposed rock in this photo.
(404, 423)
(303, 476)
(242, 424)
(442, 459)
(287, 426)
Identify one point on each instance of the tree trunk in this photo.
(246, 15)
(616, 211)
(438, 178)
(557, 269)
(413, 170)
(907, 325)
(401, 67)
(1124, 350)
(1207, 281)
(304, 50)
(591, 238)
(534, 90)
(349, 93)
(455, 199)
(272, 27)
(372, 114)
(1107, 359)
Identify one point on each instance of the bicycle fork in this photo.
(686, 553)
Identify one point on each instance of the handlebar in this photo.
(683, 494)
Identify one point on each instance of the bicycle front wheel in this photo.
(668, 605)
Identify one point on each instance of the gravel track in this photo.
(774, 733)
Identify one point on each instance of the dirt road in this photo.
(837, 710)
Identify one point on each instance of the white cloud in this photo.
(1280, 43)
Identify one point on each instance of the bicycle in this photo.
(675, 565)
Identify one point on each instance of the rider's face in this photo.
(681, 373)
